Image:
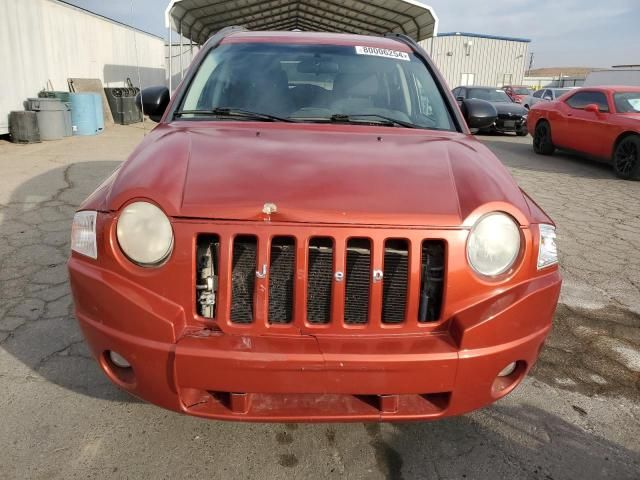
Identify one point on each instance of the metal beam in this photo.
(305, 9)
(358, 12)
(181, 52)
(170, 55)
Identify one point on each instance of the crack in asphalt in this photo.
(564, 364)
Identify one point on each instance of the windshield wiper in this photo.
(382, 120)
(234, 112)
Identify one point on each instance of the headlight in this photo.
(83, 234)
(547, 251)
(144, 234)
(493, 245)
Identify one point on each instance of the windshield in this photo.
(521, 91)
(627, 102)
(308, 83)
(489, 94)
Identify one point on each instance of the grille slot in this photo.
(395, 281)
(281, 279)
(356, 308)
(207, 271)
(243, 279)
(431, 280)
(319, 280)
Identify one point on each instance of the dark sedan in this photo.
(512, 117)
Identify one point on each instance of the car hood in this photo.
(314, 173)
(513, 108)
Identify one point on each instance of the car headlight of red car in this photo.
(547, 251)
(494, 244)
(83, 234)
(144, 234)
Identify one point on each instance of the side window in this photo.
(538, 93)
(582, 99)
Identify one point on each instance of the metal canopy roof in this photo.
(199, 19)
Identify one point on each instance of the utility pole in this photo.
(531, 56)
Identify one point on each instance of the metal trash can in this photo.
(23, 127)
(51, 114)
(65, 98)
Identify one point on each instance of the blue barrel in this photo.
(83, 114)
(97, 98)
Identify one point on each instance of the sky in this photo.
(566, 33)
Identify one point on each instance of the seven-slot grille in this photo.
(334, 295)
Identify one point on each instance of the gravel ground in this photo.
(576, 416)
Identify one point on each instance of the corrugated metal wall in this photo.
(489, 60)
(42, 40)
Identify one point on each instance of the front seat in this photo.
(271, 93)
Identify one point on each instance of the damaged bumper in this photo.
(289, 378)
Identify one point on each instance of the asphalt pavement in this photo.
(576, 417)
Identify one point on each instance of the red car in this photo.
(517, 93)
(312, 234)
(600, 122)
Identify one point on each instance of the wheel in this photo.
(542, 143)
(626, 158)
(522, 132)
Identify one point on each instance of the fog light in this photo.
(506, 371)
(118, 360)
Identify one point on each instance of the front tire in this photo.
(626, 158)
(542, 143)
(522, 132)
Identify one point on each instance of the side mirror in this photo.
(153, 101)
(479, 113)
(548, 98)
(592, 107)
(460, 99)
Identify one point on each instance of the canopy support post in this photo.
(181, 51)
(170, 55)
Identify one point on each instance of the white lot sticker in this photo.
(383, 52)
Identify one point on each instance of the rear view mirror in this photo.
(592, 107)
(153, 101)
(479, 113)
(318, 67)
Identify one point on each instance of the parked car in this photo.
(544, 95)
(517, 93)
(350, 253)
(603, 123)
(511, 116)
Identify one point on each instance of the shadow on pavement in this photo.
(36, 315)
(38, 329)
(500, 442)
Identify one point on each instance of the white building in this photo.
(45, 42)
(474, 59)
